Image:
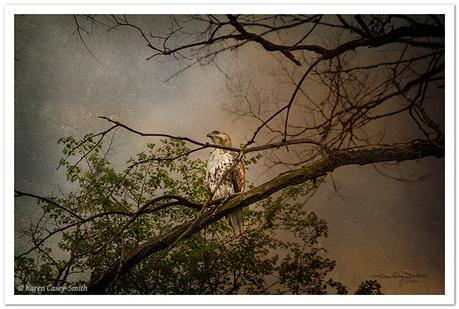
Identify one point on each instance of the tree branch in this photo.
(359, 155)
(49, 201)
(371, 41)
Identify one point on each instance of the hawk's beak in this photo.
(209, 135)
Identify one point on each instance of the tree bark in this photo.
(415, 149)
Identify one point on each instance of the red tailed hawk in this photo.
(219, 162)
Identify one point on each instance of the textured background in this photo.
(377, 225)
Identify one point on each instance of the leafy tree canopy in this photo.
(280, 251)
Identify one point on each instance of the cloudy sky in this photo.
(377, 225)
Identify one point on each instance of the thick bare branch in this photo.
(359, 155)
(392, 36)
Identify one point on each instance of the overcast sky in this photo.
(377, 225)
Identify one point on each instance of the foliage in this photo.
(369, 287)
(280, 251)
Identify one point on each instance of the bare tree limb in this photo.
(416, 149)
(49, 201)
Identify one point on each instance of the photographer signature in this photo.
(404, 277)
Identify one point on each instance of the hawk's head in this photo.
(219, 138)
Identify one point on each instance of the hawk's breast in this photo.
(217, 165)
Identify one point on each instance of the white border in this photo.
(178, 7)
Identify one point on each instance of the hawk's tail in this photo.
(236, 221)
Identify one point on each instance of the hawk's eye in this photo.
(217, 132)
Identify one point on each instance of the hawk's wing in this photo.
(238, 175)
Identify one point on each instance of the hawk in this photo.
(219, 162)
